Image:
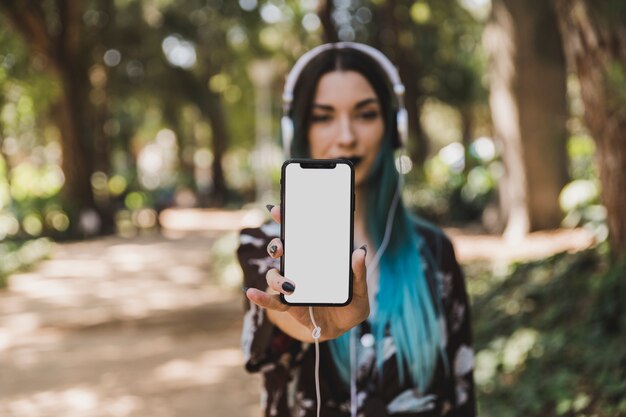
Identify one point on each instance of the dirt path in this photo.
(128, 327)
(147, 326)
(186, 363)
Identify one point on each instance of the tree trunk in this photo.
(184, 140)
(325, 13)
(529, 111)
(595, 42)
(211, 107)
(410, 71)
(76, 163)
(467, 131)
(64, 53)
(8, 166)
(73, 107)
(84, 149)
(214, 110)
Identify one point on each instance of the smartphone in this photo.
(317, 230)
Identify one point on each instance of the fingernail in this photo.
(269, 207)
(364, 247)
(273, 249)
(245, 289)
(288, 286)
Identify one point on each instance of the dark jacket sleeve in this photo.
(459, 334)
(264, 345)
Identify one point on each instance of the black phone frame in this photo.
(318, 164)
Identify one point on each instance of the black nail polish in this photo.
(364, 247)
(288, 286)
(269, 207)
(273, 249)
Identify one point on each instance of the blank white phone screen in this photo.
(318, 233)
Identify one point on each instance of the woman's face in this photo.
(346, 121)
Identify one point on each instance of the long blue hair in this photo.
(406, 307)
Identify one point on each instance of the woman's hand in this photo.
(295, 320)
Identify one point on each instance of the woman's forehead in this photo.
(344, 87)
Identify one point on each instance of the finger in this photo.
(274, 212)
(360, 271)
(265, 300)
(275, 248)
(279, 283)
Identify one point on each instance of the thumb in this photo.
(360, 271)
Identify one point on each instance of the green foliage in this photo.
(443, 37)
(136, 89)
(613, 11)
(18, 256)
(550, 337)
(580, 198)
(448, 194)
(616, 85)
(225, 270)
(30, 174)
(581, 149)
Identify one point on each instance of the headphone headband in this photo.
(375, 54)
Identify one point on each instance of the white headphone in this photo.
(402, 118)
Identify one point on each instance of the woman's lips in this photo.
(356, 160)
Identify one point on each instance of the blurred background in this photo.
(138, 136)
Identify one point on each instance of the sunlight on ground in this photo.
(202, 219)
(118, 277)
(71, 402)
(130, 327)
(149, 326)
(209, 368)
(168, 367)
(537, 245)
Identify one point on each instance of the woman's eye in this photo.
(320, 118)
(369, 115)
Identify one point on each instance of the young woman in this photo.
(409, 318)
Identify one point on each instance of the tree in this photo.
(529, 112)
(433, 44)
(594, 37)
(56, 31)
(325, 12)
(205, 27)
(409, 68)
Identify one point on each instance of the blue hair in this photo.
(406, 307)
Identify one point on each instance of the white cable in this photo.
(371, 267)
(353, 399)
(383, 246)
(316, 333)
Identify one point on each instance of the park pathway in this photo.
(149, 326)
(129, 327)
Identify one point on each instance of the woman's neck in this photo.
(360, 227)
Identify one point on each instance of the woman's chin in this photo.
(359, 179)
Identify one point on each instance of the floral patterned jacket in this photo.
(287, 365)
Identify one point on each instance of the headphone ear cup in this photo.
(402, 122)
(286, 127)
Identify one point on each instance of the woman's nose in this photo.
(346, 132)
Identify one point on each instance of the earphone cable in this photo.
(316, 333)
(388, 226)
(353, 392)
(370, 269)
